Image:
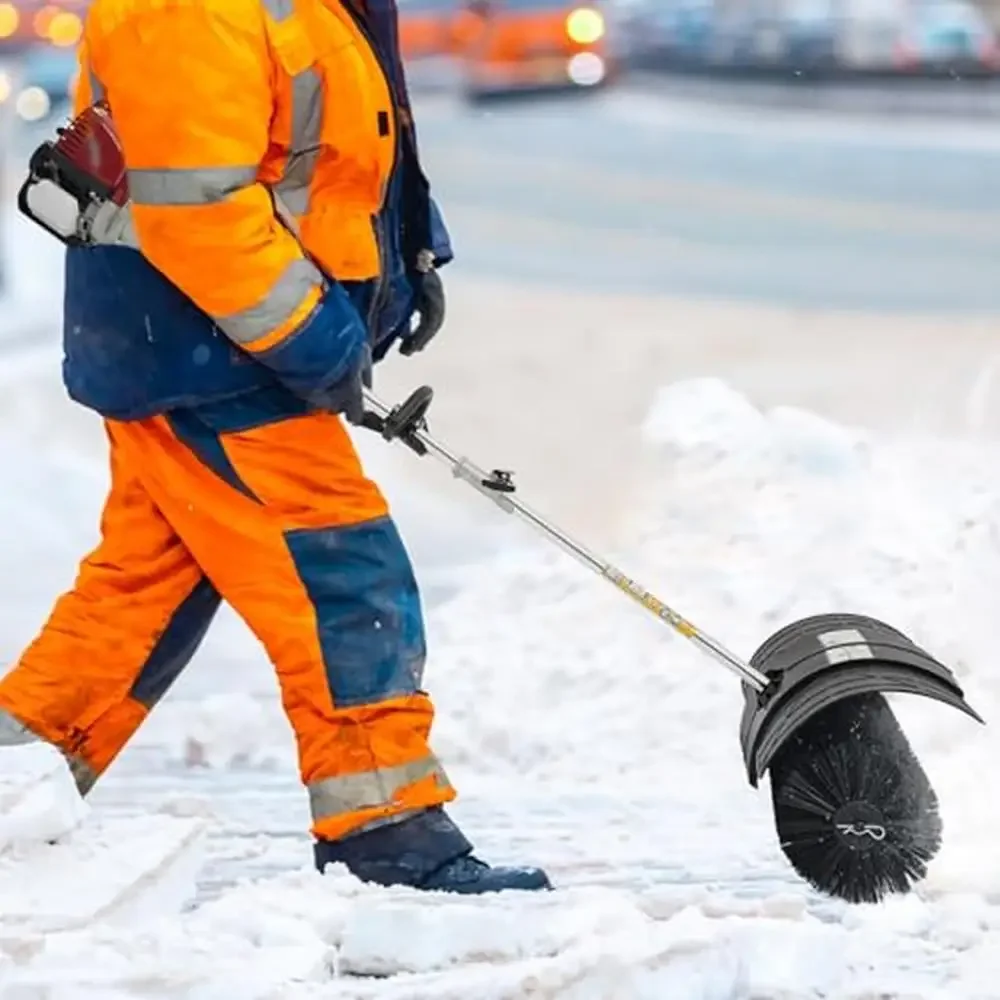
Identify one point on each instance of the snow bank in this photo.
(111, 873)
(39, 800)
(748, 520)
(588, 738)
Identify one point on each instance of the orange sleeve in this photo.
(189, 86)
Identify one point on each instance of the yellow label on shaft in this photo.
(654, 604)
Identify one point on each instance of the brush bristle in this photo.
(856, 816)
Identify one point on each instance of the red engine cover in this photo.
(91, 144)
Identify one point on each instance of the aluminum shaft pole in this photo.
(485, 484)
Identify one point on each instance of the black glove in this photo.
(429, 304)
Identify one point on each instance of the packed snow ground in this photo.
(583, 737)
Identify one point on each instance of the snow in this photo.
(32, 294)
(583, 736)
(38, 797)
(112, 873)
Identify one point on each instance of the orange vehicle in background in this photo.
(511, 46)
(427, 29)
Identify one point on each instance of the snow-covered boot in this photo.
(425, 851)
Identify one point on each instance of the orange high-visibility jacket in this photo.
(263, 144)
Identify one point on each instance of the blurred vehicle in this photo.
(511, 46)
(24, 23)
(810, 30)
(950, 36)
(427, 28)
(745, 36)
(813, 37)
(873, 36)
(44, 83)
(429, 42)
(669, 34)
(793, 36)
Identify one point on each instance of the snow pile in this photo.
(585, 736)
(111, 873)
(229, 730)
(38, 796)
(750, 521)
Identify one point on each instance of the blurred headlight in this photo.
(42, 19)
(9, 19)
(585, 26)
(5, 87)
(32, 104)
(65, 29)
(586, 69)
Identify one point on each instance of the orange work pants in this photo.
(278, 520)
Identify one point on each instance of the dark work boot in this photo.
(424, 851)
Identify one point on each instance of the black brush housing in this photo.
(855, 814)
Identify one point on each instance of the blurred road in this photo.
(911, 96)
(632, 193)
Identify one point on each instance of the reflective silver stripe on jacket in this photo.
(348, 793)
(188, 185)
(292, 191)
(13, 733)
(283, 298)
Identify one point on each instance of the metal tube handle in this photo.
(497, 486)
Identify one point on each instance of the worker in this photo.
(283, 240)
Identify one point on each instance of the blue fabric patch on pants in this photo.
(177, 644)
(206, 444)
(371, 630)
